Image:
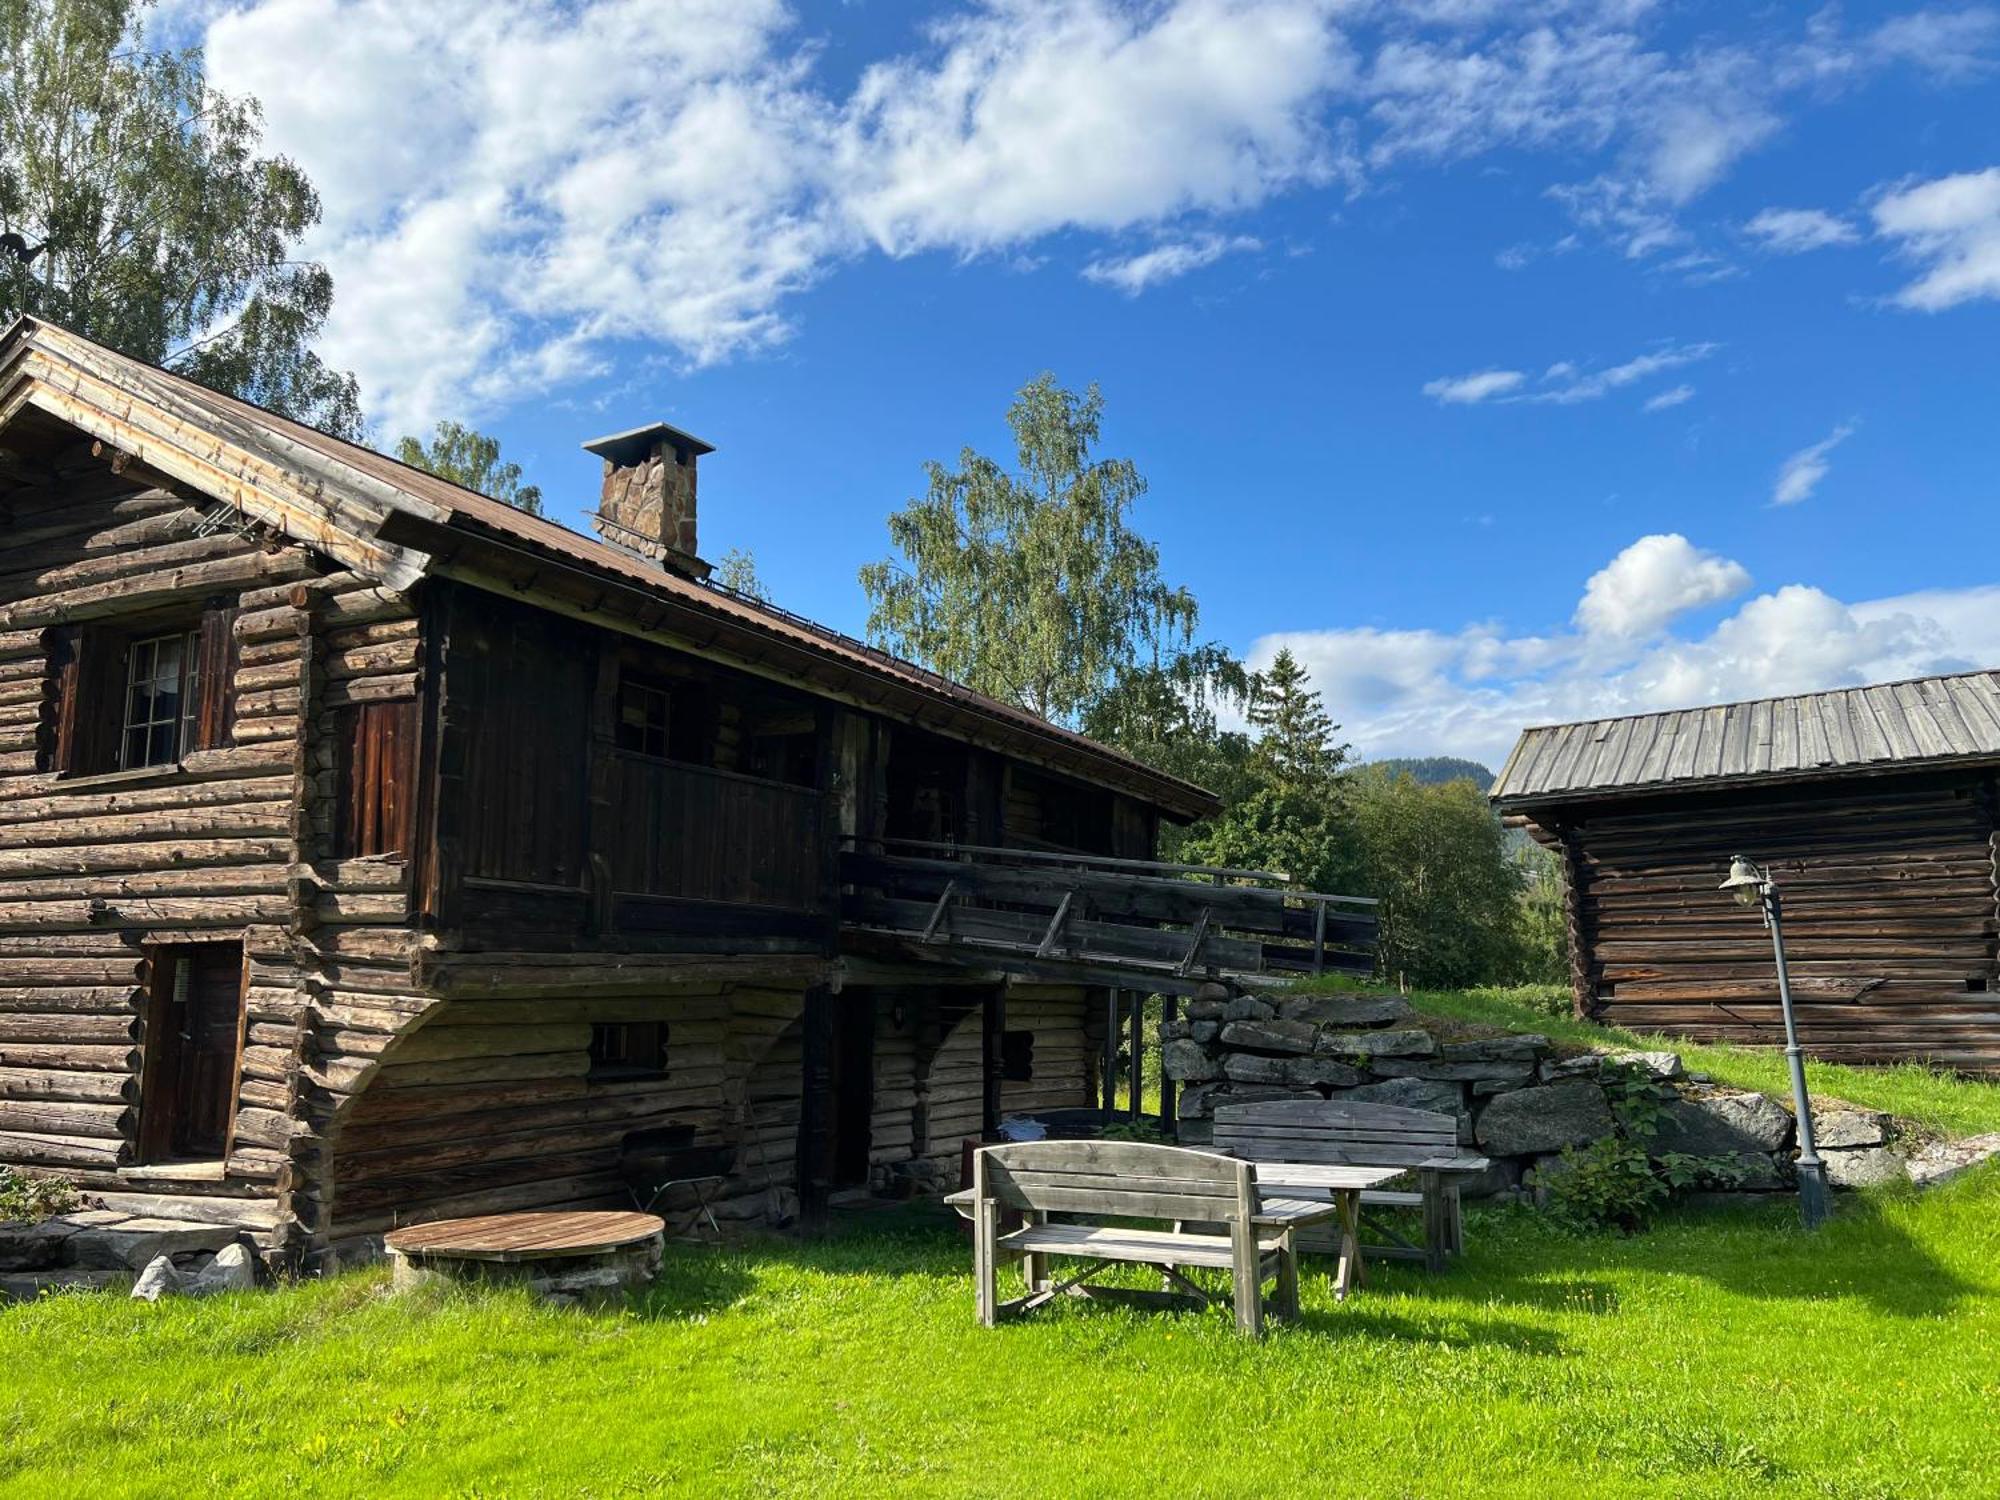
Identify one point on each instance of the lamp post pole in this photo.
(1745, 879)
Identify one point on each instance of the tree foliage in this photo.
(1430, 770)
(1437, 860)
(135, 209)
(471, 459)
(738, 571)
(1030, 584)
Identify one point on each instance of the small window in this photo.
(162, 698)
(642, 718)
(1017, 1056)
(628, 1049)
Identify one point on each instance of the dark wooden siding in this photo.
(375, 778)
(705, 835)
(1888, 885)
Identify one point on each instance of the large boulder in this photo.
(1943, 1160)
(1864, 1166)
(1269, 1036)
(1537, 1121)
(1346, 1010)
(33, 1246)
(1526, 1047)
(1707, 1120)
(1407, 1041)
(1188, 1062)
(1437, 1095)
(1838, 1127)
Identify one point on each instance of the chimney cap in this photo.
(626, 448)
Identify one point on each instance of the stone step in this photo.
(128, 1243)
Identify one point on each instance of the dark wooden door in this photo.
(853, 1088)
(194, 1030)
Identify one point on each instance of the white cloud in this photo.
(1566, 382)
(1470, 390)
(1793, 231)
(1950, 226)
(1669, 399)
(1470, 692)
(1133, 274)
(518, 191)
(1654, 582)
(1801, 474)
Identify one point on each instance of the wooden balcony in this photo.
(1128, 923)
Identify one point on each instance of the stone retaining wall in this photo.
(1518, 1099)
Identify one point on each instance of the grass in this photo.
(1724, 1356)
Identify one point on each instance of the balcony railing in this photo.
(1118, 921)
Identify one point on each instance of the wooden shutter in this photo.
(376, 778)
(89, 666)
(215, 657)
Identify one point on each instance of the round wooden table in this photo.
(562, 1256)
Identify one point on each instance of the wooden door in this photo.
(853, 1088)
(194, 1045)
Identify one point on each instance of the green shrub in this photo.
(1145, 1131)
(33, 1198)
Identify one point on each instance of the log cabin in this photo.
(1875, 808)
(371, 851)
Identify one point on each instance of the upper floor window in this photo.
(642, 718)
(162, 698)
(136, 693)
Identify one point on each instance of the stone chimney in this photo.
(648, 504)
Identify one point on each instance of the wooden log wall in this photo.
(97, 869)
(953, 1085)
(1890, 903)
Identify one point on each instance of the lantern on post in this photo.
(1750, 885)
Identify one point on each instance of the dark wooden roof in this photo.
(1919, 723)
(398, 524)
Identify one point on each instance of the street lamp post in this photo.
(1752, 886)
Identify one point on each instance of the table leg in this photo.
(1348, 1275)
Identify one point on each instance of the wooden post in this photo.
(993, 1022)
(1169, 1010)
(1582, 1001)
(815, 1145)
(1138, 1045)
(1110, 1069)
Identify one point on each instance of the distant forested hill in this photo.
(1435, 770)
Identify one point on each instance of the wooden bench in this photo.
(1131, 1180)
(1318, 1131)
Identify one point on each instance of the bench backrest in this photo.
(1117, 1180)
(1328, 1131)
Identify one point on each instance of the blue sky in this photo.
(1510, 362)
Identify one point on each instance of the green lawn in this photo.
(1726, 1355)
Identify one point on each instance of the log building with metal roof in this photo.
(1876, 809)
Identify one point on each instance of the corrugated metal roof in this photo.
(1921, 721)
(334, 464)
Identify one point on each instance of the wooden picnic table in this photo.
(1300, 1192)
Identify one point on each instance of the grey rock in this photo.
(30, 1286)
(1711, 1121)
(1407, 1067)
(1214, 993)
(159, 1279)
(1536, 1121)
(232, 1270)
(1837, 1127)
(1403, 1042)
(1249, 1067)
(1188, 1062)
(1437, 1095)
(1205, 1010)
(1486, 1087)
(34, 1246)
(1269, 1036)
(132, 1243)
(1864, 1166)
(1176, 1031)
(1558, 1068)
(1346, 1010)
(1194, 1132)
(1664, 1066)
(1523, 1048)
(1204, 1031)
(1315, 1072)
(1194, 1104)
(1499, 1176)
(1248, 1008)
(1943, 1160)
